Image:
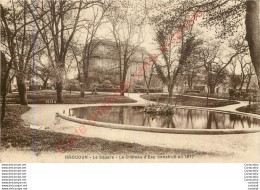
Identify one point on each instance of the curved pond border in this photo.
(166, 130)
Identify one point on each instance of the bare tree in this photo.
(127, 31)
(193, 67)
(175, 40)
(57, 29)
(249, 72)
(43, 69)
(148, 74)
(253, 33)
(215, 63)
(5, 70)
(209, 54)
(244, 67)
(91, 42)
(229, 15)
(8, 48)
(20, 40)
(77, 56)
(8, 38)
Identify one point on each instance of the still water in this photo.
(182, 118)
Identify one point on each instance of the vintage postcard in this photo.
(171, 81)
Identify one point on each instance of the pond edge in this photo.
(167, 130)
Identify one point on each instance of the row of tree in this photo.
(236, 39)
(43, 38)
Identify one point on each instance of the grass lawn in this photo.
(220, 96)
(188, 101)
(13, 133)
(254, 108)
(41, 96)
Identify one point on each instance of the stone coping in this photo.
(165, 130)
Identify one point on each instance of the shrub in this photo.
(106, 84)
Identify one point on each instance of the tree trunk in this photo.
(21, 84)
(211, 83)
(190, 82)
(149, 82)
(242, 84)
(3, 93)
(85, 74)
(122, 90)
(3, 108)
(59, 81)
(82, 89)
(248, 83)
(170, 89)
(9, 86)
(211, 89)
(45, 84)
(253, 34)
(59, 92)
(5, 70)
(122, 82)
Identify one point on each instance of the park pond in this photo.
(183, 118)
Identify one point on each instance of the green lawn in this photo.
(44, 96)
(13, 133)
(188, 101)
(220, 96)
(254, 108)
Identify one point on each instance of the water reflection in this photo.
(182, 118)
